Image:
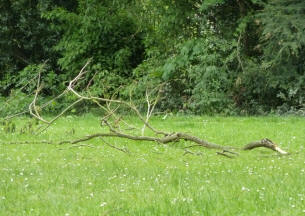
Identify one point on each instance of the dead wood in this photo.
(266, 143)
(225, 155)
(176, 137)
(116, 123)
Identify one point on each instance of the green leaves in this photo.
(26, 39)
(283, 33)
(214, 54)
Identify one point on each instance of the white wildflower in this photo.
(103, 204)
(245, 189)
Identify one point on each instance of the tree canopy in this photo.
(215, 56)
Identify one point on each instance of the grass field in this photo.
(153, 179)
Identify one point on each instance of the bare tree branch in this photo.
(112, 146)
(54, 119)
(114, 122)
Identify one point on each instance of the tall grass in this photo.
(153, 179)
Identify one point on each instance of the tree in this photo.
(26, 39)
(216, 56)
(103, 31)
(227, 55)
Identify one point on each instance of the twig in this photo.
(225, 155)
(42, 106)
(92, 98)
(150, 106)
(112, 146)
(234, 153)
(80, 145)
(28, 142)
(32, 107)
(192, 146)
(59, 115)
(187, 152)
(238, 53)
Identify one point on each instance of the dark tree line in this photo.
(216, 56)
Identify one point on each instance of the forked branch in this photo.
(115, 123)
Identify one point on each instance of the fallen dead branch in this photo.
(119, 128)
(267, 143)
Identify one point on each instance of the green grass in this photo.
(40, 179)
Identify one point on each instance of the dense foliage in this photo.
(216, 56)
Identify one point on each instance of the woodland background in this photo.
(214, 56)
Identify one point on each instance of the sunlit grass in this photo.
(153, 179)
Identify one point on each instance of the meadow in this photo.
(91, 178)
